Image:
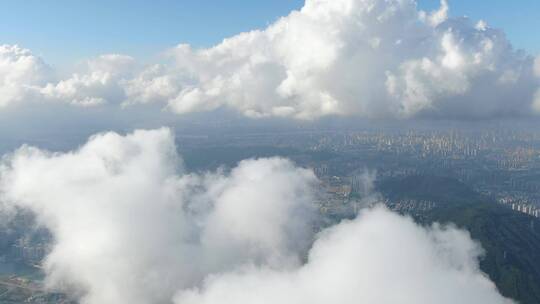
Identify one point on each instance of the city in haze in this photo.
(306, 151)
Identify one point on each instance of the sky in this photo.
(126, 62)
(138, 28)
(65, 31)
(155, 233)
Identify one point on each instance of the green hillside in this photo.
(511, 239)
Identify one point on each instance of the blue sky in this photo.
(66, 31)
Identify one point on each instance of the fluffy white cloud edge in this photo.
(369, 58)
(131, 226)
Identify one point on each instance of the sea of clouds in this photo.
(365, 58)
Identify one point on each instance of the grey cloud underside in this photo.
(131, 226)
(367, 58)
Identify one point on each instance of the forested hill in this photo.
(511, 239)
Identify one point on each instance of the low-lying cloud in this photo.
(20, 73)
(366, 58)
(379, 257)
(131, 226)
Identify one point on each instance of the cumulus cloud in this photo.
(367, 58)
(131, 226)
(20, 73)
(437, 17)
(379, 257)
(100, 82)
(25, 78)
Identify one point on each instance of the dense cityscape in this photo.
(501, 164)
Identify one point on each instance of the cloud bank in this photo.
(366, 58)
(379, 257)
(131, 226)
(369, 58)
(98, 83)
(20, 73)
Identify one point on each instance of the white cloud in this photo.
(352, 57)
(437, 17)
(367, 58)
(379, 257)
(481, 25)
(25, 78)
(153, 85)
(101, 82)
(130, 226)
(20, 73)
